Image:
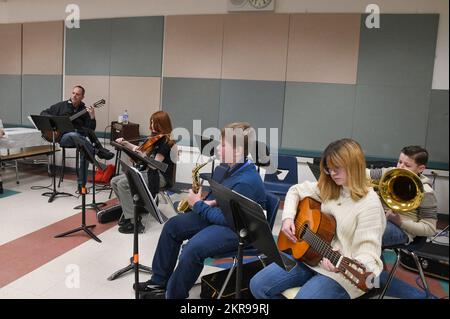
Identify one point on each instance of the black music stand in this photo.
(247, 219)
(87, 155)
(142, 199)
(46, 123)
(118, 149)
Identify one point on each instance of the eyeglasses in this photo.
(328, 171)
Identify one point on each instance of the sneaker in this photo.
(104, 153)
(148, 285)
(129, 228)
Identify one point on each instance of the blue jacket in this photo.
(245, 181)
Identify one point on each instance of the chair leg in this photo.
(262, 261)
(77, 162)
(422, 275)
(391, 274)
(147, 221)
(121, 217)
(63, 166)
(48, 164)
(17, 172)
(225, 283)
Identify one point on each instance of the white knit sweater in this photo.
(359, 228)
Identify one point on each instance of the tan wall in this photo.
(323, 48)
(193, 46)
(11, 49)
(43, 48)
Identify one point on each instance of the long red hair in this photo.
(162, 125)
(161, 122)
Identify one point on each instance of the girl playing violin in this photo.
(158, 146)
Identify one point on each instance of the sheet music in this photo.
(161, 218)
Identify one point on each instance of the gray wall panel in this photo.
(39, 92)
(10, 99)
(186, 99)
(401, 52)
(388, 118)
(317, 114)
(88, 48)
(136, 46)
(437, 135)
(258, 102)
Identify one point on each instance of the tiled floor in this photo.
(81, 267)
(82, 271)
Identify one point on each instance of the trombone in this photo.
(401, 190)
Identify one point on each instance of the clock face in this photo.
(259, 3)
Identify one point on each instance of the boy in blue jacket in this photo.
(204, 226)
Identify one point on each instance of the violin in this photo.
(149, 142)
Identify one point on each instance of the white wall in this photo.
(16, 11)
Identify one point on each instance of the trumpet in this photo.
(400, 189)
(183, 205)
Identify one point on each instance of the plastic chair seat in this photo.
(278, 186)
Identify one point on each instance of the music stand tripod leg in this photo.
(242, 233)
(126, 269)
(134, 261)
(83, 226)
(53, 194)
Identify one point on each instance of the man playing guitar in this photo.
(84, 125)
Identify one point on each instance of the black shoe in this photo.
(129, 228)
(148, 285)
(124, 221)
(103, 153)
(154, 294)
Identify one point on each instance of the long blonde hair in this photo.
(347, 154)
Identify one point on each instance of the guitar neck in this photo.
(77, 115)
(322, 247)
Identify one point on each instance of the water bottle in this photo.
(125, 117)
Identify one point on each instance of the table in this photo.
(21, 142)
(21, 137)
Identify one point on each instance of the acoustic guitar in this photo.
(314, 231)
(48, 135)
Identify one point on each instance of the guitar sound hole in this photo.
(302, 231)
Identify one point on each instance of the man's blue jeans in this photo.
(394, 235)
(271, 281)
(67, 141)
(205, 240)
